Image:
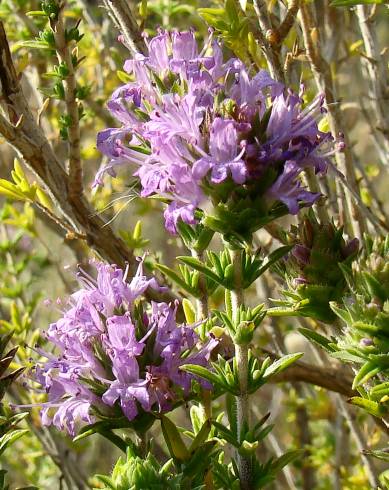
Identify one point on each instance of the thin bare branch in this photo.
(260, 31)
(262, 14)
(359, 438)
(70, 86)
(124, 19)
(325, 83)
(288, 21)
(377, 75)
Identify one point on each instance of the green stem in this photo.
(202, 312)
(241, 356)
(202, 302)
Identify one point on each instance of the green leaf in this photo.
(189, 311)
(201, 436)
(341, 313)
(226, 434)
(200, 460)
(36, 13)
(10, 438)
(374, 287)
(197, 416)
(380, 454)
(367, 371)
(174, 442)
(34, 45)
(11, 190)
(106, 480)
(199, 266)
(232, 414)
(177, 279)
(317, 339)
(371, 407)
(272, 259)
(347, 356)
(285, 459)
(380, 390)
(202, 372)
(281, 364)
(352, 3)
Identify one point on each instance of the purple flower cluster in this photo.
(116, 351)
(190, 122)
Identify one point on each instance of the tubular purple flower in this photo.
(174, 212)
(200, 122)
(184, 46)
(158, 52)
(179, 117)
(109, 356)
(224, 156)
(288, 190)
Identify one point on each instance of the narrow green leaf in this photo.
(380, 454)
(341, 313)
(173, 440)
(36, 13)
(371, 407)
(272, 258)
(201, 436)
(347, 356)
(201, 371)
(367, 371)
(106, 480)
(198, 265)
(285, 459)
(189, 311)
(10, 438)
(281, 364)
(177, 279)
(317, 339)
(352, 3)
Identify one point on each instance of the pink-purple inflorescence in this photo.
(114, 349)
(190, 122)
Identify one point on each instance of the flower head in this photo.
(206, 131)
(116, 350)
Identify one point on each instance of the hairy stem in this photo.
(241, 357)
(201, 314)
(202, 302)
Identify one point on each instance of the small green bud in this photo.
(249, 447)
(228, 108)
(244, 333)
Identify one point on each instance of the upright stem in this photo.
(202, 302)
(241, 357)
(202, 312)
